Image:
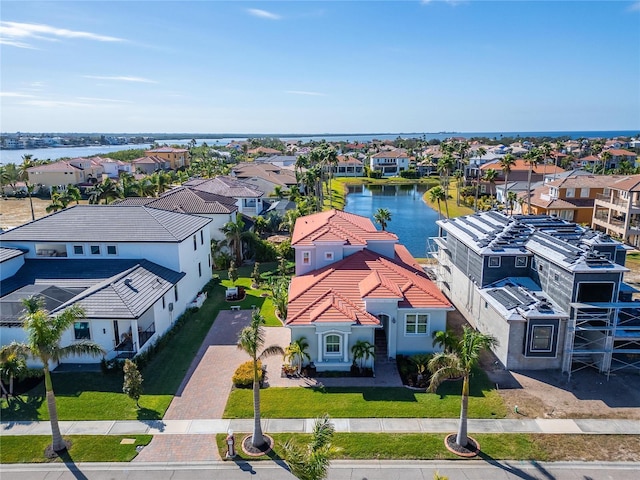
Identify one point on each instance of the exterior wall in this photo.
(350, 335)
(302, 268)
(389, 307)
(218, 221)
(49, 179)
(10, 267)
(409, 344)
(507, 267)
(192, 282)
(383, 248)
(324, 249)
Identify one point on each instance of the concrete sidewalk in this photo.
(302, 425)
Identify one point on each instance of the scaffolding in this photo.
(605, 336)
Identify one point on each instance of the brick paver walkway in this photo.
(180, 448)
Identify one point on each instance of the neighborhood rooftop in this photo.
(108, 223)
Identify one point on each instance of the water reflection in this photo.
(411, 219)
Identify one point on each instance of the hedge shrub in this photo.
(243, 376)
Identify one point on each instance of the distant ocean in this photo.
(15, 156)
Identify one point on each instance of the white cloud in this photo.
(107, 100)
(121, 78)
(256, 12)
(303, 92)
(15, 95)
(15, 34)
(634, 7)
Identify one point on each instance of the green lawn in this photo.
(98, 396)
(378, 402)
(84, 448)
(260, 297)
(430, 446)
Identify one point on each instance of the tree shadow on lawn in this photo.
(22, 408)
(375, 394)
(148, 414)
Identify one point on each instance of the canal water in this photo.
(411, 219)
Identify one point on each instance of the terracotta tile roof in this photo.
(167, 150)
(61, 166)
(620, 152)
(522, 165)
(348, 159)
(336, 292)
(336, 225)
(391, 154)
(151, 159)
(586, 181)
(629, 184)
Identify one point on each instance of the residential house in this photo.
(356, 283)
(57, 174)
(133, 269)
(619, 155)
(150, 164)
(550, 291)
(248, 197)
(349, 166)
(219, 209)
(389, 163)
(177, 157)
(266, 177)
(264, 151)
(112, 168)
(570, 198)
(617, 209)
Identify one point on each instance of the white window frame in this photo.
(75, 336)
(584, 192)
(493, 257)
(306, 257)
(416, 324)
(521, 257)
(81, 247)
(328, 255)
(325, 344)
(533, 336)
(571, 193)
(91, 247)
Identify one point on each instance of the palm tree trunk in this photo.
(529, 190)
(477, 192)
(257, 439)
(506, 184)
(33, 215)
(439, 211)
(461, 439)
(57, 443)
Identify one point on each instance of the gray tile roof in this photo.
(104, 288)
(225, 186)
(109, 223)
(126, 295)
(9, 253)
(186, 200)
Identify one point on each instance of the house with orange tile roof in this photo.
(570, 198)
(177, 157)
(356, 283)
(617, 209)
(389, 163)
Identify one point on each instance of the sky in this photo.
(319, 67)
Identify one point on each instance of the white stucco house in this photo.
(354, 282)
(133, 269)
(390, 163)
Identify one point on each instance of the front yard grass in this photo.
(376, 402)
(84, 448)
(99, 396)
(429, 446)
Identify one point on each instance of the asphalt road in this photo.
(340, 470)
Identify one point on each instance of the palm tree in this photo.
(312, 462)
(363, 351)
(437, 194)
(73, 193)
(251, 340)
(23, 173)
(459, 363)
(490, 176)
(12, 365)
(296, 352)
(234, 231)
(382, 216)
(605, 157)
(480, 152)
(56, 203)
(506, 163)
(43, 334)
(532, 157)
(512, 198)
(445, 339)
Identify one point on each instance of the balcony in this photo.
(617, 201)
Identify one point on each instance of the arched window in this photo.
(333, 344)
